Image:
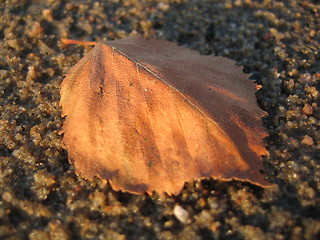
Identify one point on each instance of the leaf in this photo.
(148, 115)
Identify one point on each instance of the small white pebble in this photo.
(181, 214)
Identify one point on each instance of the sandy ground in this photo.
(42, 198)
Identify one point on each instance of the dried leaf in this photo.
(149, 115)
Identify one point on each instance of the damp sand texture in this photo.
(41, 197)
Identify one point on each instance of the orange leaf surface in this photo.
(148, 115)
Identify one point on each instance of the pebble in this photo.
(181, 214)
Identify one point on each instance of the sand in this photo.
(41, 197)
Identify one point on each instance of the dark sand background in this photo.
(42, 198)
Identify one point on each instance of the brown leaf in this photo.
(149, 115)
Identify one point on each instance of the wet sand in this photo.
(41, 197)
